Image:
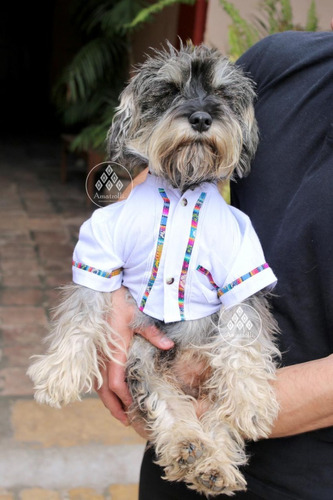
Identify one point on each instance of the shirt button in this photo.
(169, 281)
(184, 202)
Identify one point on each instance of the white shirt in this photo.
(180, 256)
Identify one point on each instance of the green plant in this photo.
(277, 16)
(87, 92)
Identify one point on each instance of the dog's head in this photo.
(188, 114)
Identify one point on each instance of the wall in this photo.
(156, 33)
(216, 34)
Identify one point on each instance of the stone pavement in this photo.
(79, 452)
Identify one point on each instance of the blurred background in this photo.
(62, 66)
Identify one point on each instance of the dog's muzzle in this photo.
(200, 121)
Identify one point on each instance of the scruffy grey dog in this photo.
(187, 114)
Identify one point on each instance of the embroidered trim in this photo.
(230, 286)
(159, 247)
(99, 272)
(188, 253)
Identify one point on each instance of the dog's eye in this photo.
(160, 97)
(169, 90)
(223, 93)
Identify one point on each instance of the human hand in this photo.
(114, 392)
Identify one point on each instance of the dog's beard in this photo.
(187, 158)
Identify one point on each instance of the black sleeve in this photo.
(289, 197)
(288, 194)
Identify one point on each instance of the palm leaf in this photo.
(88, 67)
(147, 14)
(94, 136)
(88, 15)
(91, 109)
(120, 17)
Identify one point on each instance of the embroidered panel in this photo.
(230, 286)
(99, 272)
(159, 247)
(188, 253)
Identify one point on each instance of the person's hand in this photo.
(114, 392)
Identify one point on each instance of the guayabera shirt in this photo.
(180, 255)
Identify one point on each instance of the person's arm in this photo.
(114, 392)
(305, 395)
(304, 391)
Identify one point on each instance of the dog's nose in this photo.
(200, 121)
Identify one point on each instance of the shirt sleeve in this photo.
(97, 258)
(249, 272)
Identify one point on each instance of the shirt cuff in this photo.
(96, 279)
(238, 291)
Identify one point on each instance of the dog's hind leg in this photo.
(183, 448)
(169, 414)
(219, 473)
(80, 339)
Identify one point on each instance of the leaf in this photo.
(275, 16)
(91, 109)
(287, 14)
(119, 18)
(312, 18)
(147, 14)
(88, 67)
(242, 34)
(93, 136)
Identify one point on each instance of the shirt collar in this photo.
(160, 182)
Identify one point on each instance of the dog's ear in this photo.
(122, 125)
(250, 142)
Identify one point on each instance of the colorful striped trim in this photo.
(159, 247)
(230, 286)
(99, 272)
(188, 253)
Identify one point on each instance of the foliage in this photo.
(241, 33)
(147, 14)
(86, 93)
(277, 16)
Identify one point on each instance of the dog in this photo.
(188, 114)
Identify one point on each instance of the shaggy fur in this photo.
(188, 114)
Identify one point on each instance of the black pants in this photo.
(153, 487)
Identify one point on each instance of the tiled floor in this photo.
(39, 222)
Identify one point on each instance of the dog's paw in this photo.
(213, 479)
(180, 458)
(189, 453)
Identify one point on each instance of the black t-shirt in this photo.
(289, 197)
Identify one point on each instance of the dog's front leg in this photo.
(80, 339)
(244, 364)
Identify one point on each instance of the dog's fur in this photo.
(228, 384)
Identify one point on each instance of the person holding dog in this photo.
(288, 197)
